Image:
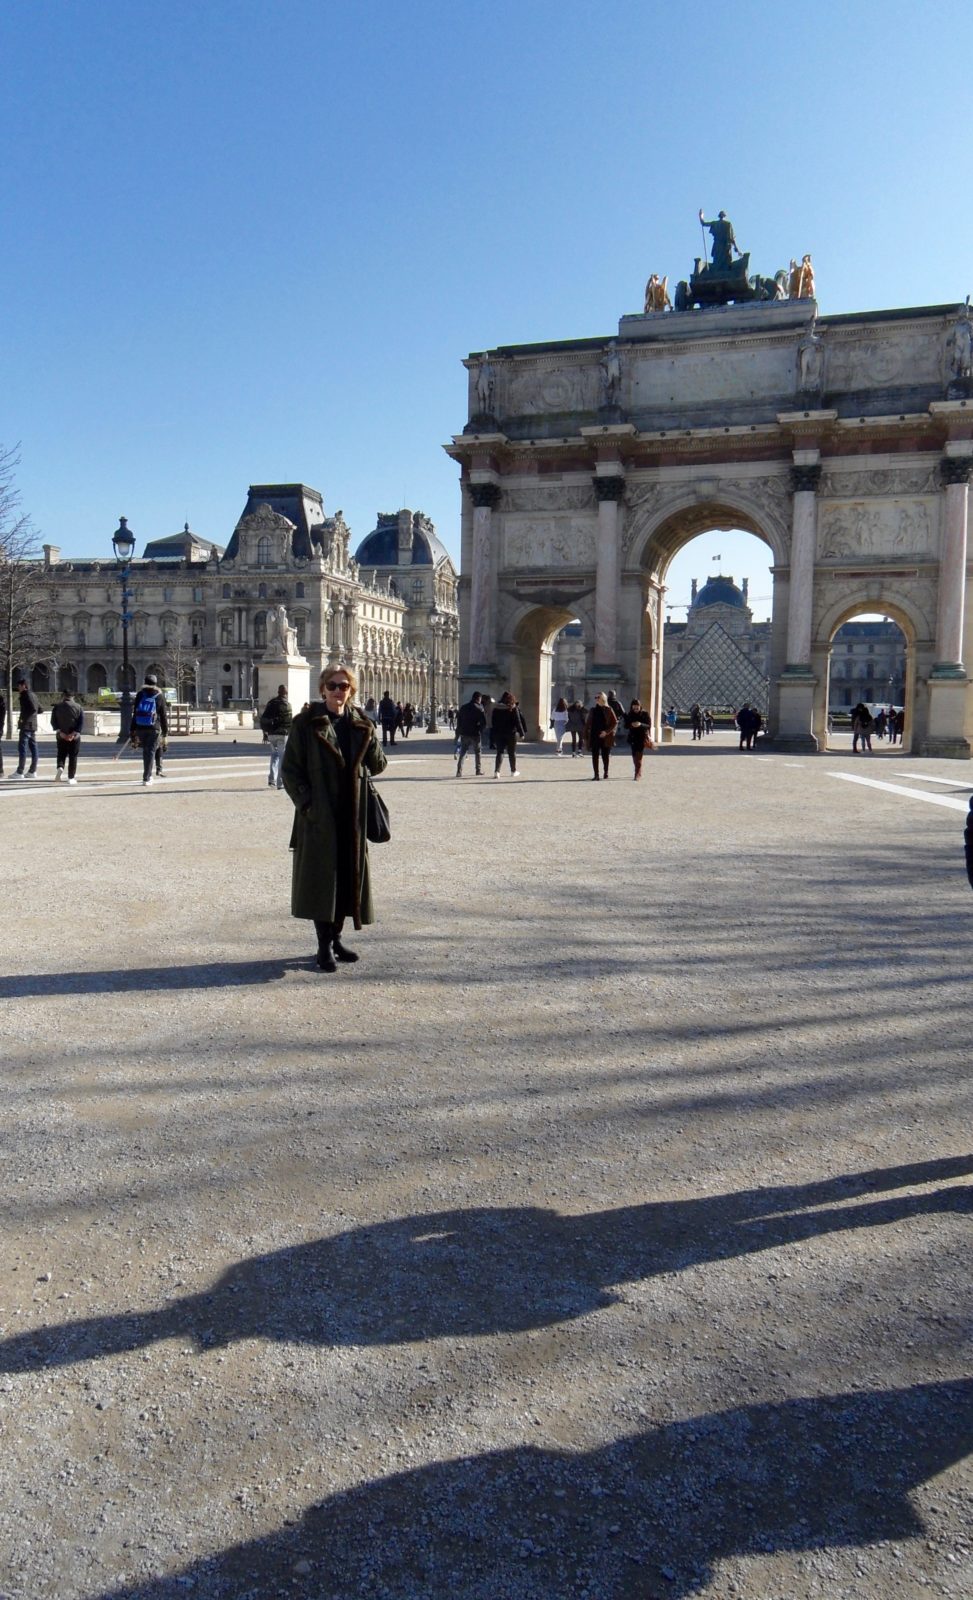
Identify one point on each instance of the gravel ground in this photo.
(604, 1233)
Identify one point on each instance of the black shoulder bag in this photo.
(378, 827)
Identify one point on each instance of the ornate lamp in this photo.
(123, 543)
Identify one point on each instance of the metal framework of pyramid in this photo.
(716, 672)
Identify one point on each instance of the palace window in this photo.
(417, 588)
(264, 551)
(260, 630)
(299, 591)
(226, 591)
(226, 629)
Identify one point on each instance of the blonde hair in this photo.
(601, 699)
(339, 666)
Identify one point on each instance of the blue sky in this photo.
(250, 242)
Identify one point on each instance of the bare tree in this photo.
(28, 629)
(180, 660)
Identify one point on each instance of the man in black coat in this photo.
(508, 727)
(968, 840)
(27, 727)
(150, 723)
(470, 723)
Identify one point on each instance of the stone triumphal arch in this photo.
(844, 442)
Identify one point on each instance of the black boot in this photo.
(341, 950)
(325, 933)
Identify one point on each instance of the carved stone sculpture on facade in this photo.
(611, 378)
(810, 364)
(959, 356)
(484, 387)
(800, 281)
(281, 636)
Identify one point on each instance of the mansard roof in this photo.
(184, 546)
(302, 506)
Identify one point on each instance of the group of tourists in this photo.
(888, 724)
(393, 716)
(594, 730)
(67, 721)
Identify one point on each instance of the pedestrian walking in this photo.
(408, 718)
(615, 704)
(470, 725)
(577, 717)
(276, 722)
(599, 735)
(150, 725)
(388, 716)
(748, 721)
(696, 720)
(861, 728)
(3, 726)
(331, 750)
(559, 722)
(27, 730)
(508, 726)
(638, 725)
(67, 720)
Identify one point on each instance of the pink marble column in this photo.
(801, 585)
(483, 589)
(952, 565)
(610, 491)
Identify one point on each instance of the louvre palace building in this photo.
(199, 612)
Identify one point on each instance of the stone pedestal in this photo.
(294, 672)
(945, 736)
(796, 689)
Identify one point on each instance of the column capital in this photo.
(485, 494)
(956, 469)
(609, 488)
(805, 477)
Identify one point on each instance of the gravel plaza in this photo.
(604, 1233)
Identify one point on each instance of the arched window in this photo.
(40, 678)
(264, 551)
(97, 678)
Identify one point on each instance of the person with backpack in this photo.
(67, 720)
(861, 728)
(276, 723)
(150, 724)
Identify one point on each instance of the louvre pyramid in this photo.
(716, 672)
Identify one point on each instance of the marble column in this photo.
(952, 568)
(797, 683)
(610, 490)
(804, 526)
(483, 598)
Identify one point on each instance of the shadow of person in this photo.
(490, 1270)
(648, 1515)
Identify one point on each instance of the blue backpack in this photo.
(146, 713)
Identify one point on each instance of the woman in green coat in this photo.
(330, 750)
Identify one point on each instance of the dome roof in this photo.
(381, 547)
(720, 591)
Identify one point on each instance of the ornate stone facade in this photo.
(203, 617)
(844, 442)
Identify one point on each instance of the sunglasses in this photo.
(335, 686)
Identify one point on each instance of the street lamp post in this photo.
(123, 543)
(432, 725)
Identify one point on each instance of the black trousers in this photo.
(509, 748)
(604, 751)
(67, 750)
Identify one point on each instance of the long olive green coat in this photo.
(313, 773)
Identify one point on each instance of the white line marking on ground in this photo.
(94, 785)
(788, 763)
(927, 777)
(898, 788)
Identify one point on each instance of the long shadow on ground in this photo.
(484, 1271)
(646, 1516)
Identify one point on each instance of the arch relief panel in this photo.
(892, 527)
(540, 541)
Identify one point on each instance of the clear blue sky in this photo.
(250, 242)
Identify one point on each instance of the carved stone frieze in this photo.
(541, 541)
(837, 485)
(878, 527)
(537, 388)
(557, 497)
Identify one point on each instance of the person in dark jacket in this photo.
(67, 720)
(599, 734)
(276, 723)
(470, 723)
(638, 725)
(150, 724)
(27, 730)
(508, 726)
(331, 749)
(3, 727)
(748, 721)
(388, 716)
(861, 728)
(968, 842)
(616, 705)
